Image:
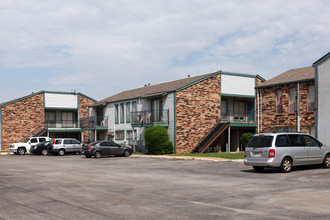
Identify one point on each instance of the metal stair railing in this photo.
(210, 136)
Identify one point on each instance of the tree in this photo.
(245, 138)
(157, 141)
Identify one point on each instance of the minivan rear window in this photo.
(260, 141)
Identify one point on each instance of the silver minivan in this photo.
(284, 150)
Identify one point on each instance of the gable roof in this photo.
(322, 59)
(291, 76)
(155, 90)
(37, 93)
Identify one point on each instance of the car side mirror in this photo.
(320, 144)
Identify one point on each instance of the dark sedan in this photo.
(42, 148)
(105, 148)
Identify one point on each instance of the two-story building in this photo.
(44, 113)
(287, 102)
(322, 83)
(198, 112)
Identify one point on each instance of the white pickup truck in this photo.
(22, 148)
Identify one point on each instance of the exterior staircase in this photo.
(210, 137)
(39, 130)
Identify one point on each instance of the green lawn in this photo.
(221, 155)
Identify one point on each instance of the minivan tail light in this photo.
(245, 153)
(271, 153)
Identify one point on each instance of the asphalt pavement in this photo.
(74, 187)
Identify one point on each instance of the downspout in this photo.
(174, 120)
(298, 107)
(258, 119)
(260, 111)
(317, 99)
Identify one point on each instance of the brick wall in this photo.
(20, 119)
(84, 102)
(271, 120)
(197, 111)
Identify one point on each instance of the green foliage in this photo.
(157, 141)
(245, 138)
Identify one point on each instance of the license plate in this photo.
(257, 154)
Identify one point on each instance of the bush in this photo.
(245, 138)
(157, 141)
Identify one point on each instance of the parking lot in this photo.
(73, 187)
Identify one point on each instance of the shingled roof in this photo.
(290, 76)
(154, 90)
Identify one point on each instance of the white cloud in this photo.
(125, 43)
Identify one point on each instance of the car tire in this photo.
(97, 154)
(126, 153)
(21, 151)
(15, 153)
(61, 152)
(286, 165)
(326, 161)
(44, 152)
(88, 156)
(258, 168)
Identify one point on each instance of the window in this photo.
(292, 101)
(282, 141)
(122, 113)
(134, 111)
(42, 139)
(75, 141)
(128, 112)
(105, 143)
(67, 119)
(129, 134)
(120, 135)
(157, 109)
(295, 140)
(50, 119)
(279, 101)
(239, 110)
(224, 108)
(311, 141)
(34, 140)
(116, 114)
(286, 129)
(311, 98)
(260, 141)
(67, 142)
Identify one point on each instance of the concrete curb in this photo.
(188, 158)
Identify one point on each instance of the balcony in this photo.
(244, 118)
(61, 123)
(94, 122)
(150, 118)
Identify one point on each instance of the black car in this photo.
(42, 148)
(105, 148)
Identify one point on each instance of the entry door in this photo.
(67, 119)
(250, 107)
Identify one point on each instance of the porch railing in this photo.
(149, 117)
(236, 117)
(61, 123)
(94, 121)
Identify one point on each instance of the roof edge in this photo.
(198, 81)
(285, 83)
(326, 56)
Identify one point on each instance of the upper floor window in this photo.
(134, 111)
(224, 108)
(279, 101)
(116, 114)
(122, 114)
(311, 98)
(128, 112)
(239, 110)
(292, 101)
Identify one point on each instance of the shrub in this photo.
(245, 138)
(157, 141)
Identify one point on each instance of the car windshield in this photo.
(26, 140)
(260, 141)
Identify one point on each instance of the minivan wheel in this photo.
(44, 152)
(21, 151)
(286, 165)
(97, 154)
(258, 168)
(326, 161)
(61, 152)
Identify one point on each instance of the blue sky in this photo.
(103, 47)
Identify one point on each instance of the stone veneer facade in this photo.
(24, 118)
(197, 111)
(84, 102)
(271, 120)
(19, 119)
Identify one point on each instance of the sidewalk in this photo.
(216, 159)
